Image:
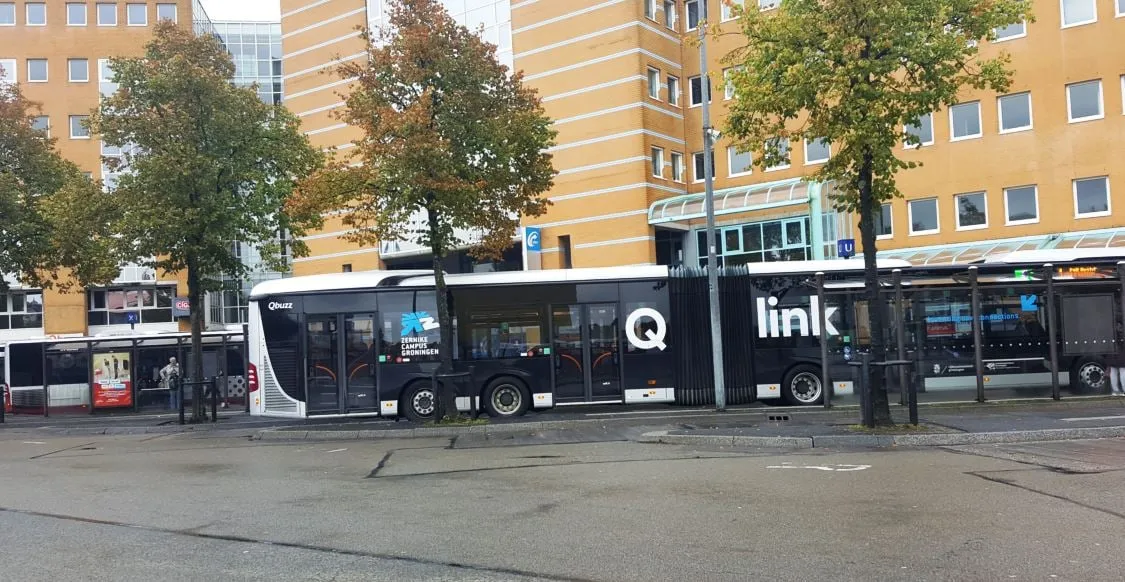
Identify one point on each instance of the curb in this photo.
(884, 441)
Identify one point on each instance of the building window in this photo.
(739, 163)
(136, 14)
(36, 14)
(564, 252)
(696, 88)
(670, 14)
(921, 133)
(656, 156)
(1084, 101)
(923, 215)
(1017, 30)
(768, 4)
(1015, 112)
(1077, 12)
(8, 73)
(678, 166)
(107, 15)
(673, 90)
(78, 70)
(1021, 205)
(1091, 197)
(728, 9)
(768, 241)
(691, 7)
(650, 9)
(972, 211)
(7, 14)
(112, 305)
(347, 268)
(36, 70)
(166, 12)
(728, 83)
(1120, 8)
(106, 86)
(964, 121)
(697, 162)
(21, 309)
(778, 152)
(817, 151)
(75, 14)
(41, 123)
(884, 224)
(654, 83)
(78, 128)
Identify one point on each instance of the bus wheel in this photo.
(1089, 377)
(506, 397)
(802, 386)
(419, 402)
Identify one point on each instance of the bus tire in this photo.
(506, 397)
(803, 386)
(1089, 376)
(419, 401)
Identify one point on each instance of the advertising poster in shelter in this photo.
(113, 386)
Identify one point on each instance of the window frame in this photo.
(891, 223)
(771, 5)
(70, 126)
(728, 87)
(726, 12)
(788, 150)
(70, 71)
(673, 95)
(85, 13)
(731, 152)
(921, 144)
(13, 71)
(811, 162)
(677, 161)
(1108, 197)
(650, 74)
(687, 15)
(1022, 34)
(650, 10)
(46, 70)
(910, 216)
(1101, 103)
(1007, 207)
(1062, 15)
(140, 309)
(14, 18)
(1000, 113)
(656, 161)
(128, 21)
(980, 122)
(98, 12)
(957, 210)
(48, 118)
(27, 13)
(691, 92)
(1119, 9)
(671, 17)
(702, 177)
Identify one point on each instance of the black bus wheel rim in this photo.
(423, 402)
(805, 387)
(507, 399)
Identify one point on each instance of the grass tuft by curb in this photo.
(459, 421)
(896, 429)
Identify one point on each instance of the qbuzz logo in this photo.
(274, 305)
(654, 338)
(417, 322)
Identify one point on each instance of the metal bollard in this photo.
(214, 400)
(912, 377)
(180, 391)
(868, 397)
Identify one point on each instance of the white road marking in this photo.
(336, 451)
(33, 443)
(838, 468)
(670, 412)
(1081, 418)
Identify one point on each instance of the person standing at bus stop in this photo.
(169, 378)
(1115, 364)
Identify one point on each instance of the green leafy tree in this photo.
(204, 164)
(53, 219)
(452, 143)
(855, 73)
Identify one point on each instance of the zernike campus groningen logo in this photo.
(417, 322)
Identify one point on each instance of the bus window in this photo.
(505, 332)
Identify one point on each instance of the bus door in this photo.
(586, 352)
(340, 366)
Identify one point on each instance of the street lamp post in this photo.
(712, 241)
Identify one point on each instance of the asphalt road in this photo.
(192, 507)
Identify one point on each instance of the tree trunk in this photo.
(445, 392)
(876, 306)
(195, 297)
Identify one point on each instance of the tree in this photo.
(452, 144)
(204, 164)
(53, 219)
(855, 73)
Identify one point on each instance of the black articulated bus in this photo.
(367, 343)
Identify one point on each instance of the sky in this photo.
(267, 10)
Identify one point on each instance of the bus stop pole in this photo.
(246, 363)
(978, 359)
(223, 372)
(1053, 347)
(712, 238)
(825, 381)
(135, 374)
(90, 372)
(1117, 348)
(900, 334)
(46, 384)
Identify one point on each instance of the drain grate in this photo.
(777, 417)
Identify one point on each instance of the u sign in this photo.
(532, 240)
